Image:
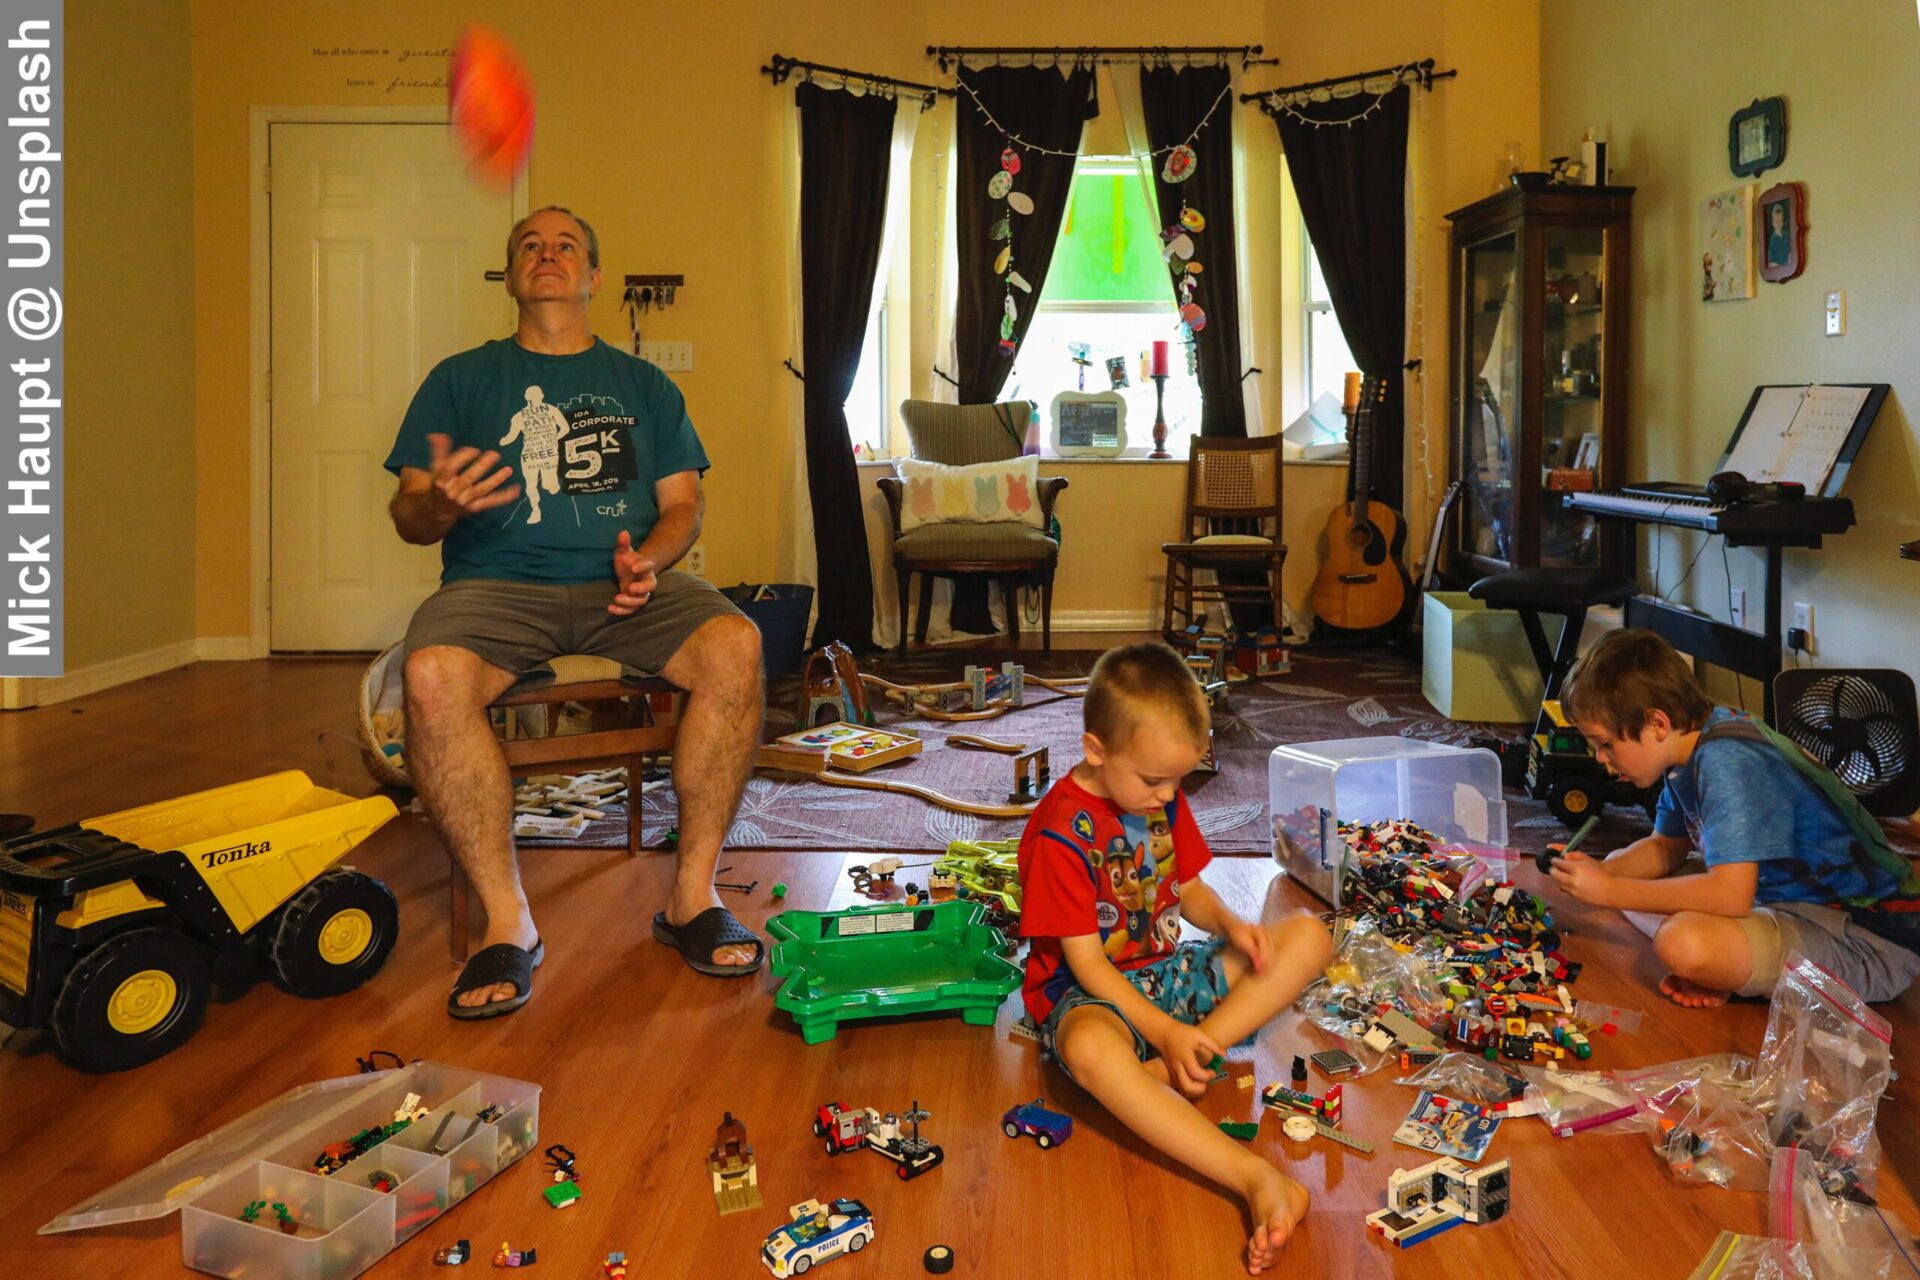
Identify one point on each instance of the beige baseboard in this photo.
(18, 694)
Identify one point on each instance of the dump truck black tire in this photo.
(136, 997)
(334, 934)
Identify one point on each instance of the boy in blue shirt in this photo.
(1784, 870)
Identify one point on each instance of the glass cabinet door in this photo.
(1572, 419)
(1490, 403)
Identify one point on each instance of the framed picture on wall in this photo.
(1726, 245)
(1757, 137)
(1782, 236)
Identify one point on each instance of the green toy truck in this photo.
(111, 928)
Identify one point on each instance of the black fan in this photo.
(1863, 725)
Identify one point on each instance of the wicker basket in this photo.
(382, 719)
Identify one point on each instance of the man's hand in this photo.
(461, 483)
(1587, 880)
(1251, 940)
(633, 574)
(1187, 1051)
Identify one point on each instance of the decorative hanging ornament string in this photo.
(1012, 137)
(1287, 104)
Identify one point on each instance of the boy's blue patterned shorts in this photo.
(1184, 985)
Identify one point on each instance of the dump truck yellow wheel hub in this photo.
(346, 937)
(142, 1002)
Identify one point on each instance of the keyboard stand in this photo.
(1711, 640)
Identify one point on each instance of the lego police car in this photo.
(817, 1234)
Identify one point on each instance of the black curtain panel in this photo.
(846, 144)
(1177, 99)
(1351, 180)
(1047, 109)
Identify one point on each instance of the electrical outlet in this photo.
(695, 562)
(1837, 313)
(1738, 607)
(1803, 622)
(671, 357)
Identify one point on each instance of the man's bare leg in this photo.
(719, 667)
(456, 763)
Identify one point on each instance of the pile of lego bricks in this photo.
(1494, 942)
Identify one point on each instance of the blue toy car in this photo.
(1049, 1128)
(816, 1233)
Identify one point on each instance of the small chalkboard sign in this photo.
(1090, 422)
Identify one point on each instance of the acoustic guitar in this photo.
(1363, 584)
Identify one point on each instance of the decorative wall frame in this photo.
(1757, 137)
(1781, 233)
(1726, 244)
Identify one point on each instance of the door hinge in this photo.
(267, 180)
(269, 386)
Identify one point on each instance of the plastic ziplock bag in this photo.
(1800, 1210)
(1664, 1091)
(1736, 1257)
(1714, 1133)
(1367, 972)
(1470, 1077)
(1823, 1069)
(1575, 1101)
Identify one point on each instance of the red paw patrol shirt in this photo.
(1088, 867)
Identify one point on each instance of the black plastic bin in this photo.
(780, 610)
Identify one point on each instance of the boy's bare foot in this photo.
(1277, 1204)
(1691, 995)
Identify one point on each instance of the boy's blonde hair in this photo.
(1136, 682)
(1627, 675)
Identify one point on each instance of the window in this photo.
(1107, 289)
(1327, 358)
(867, 400)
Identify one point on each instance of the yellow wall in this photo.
(129, 294)
(653, 122)
(1636, 67)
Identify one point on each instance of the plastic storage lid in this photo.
(1349, 750)
(182, 1177)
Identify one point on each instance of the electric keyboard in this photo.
(1687, 506)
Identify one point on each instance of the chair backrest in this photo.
(960, 435)
(1233, 485)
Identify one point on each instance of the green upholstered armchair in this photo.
(960, 435)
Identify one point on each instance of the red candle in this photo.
(1159, 359)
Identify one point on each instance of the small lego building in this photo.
(1436, 1197)
(736, 1179)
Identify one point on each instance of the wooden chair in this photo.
(1231, 526)
(598, 684)
(1012, 554)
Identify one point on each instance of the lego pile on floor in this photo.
(1436, 945)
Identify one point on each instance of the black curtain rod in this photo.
(1248, 53)
(781, 67)
(1421, 72)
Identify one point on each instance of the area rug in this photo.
(1326, 696)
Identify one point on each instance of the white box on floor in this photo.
(1453, 792)
(1475, 661)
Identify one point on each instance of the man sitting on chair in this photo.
(562, 479)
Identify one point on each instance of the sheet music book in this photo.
(1796, 433)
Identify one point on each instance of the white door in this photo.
(381, 247)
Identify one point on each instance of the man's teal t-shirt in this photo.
(587, 436)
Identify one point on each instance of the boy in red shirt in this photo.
(1109, 865)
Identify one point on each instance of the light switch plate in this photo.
(1836, 313)
(671, 357)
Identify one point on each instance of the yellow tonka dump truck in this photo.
(111, 929)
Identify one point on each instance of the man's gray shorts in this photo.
(519, 626)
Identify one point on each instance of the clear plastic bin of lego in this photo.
(251, 1203)
(1453, 792)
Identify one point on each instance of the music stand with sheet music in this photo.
(1808, 433)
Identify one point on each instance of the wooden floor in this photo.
(638, 1057)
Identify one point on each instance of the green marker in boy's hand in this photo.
(1544, 859)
